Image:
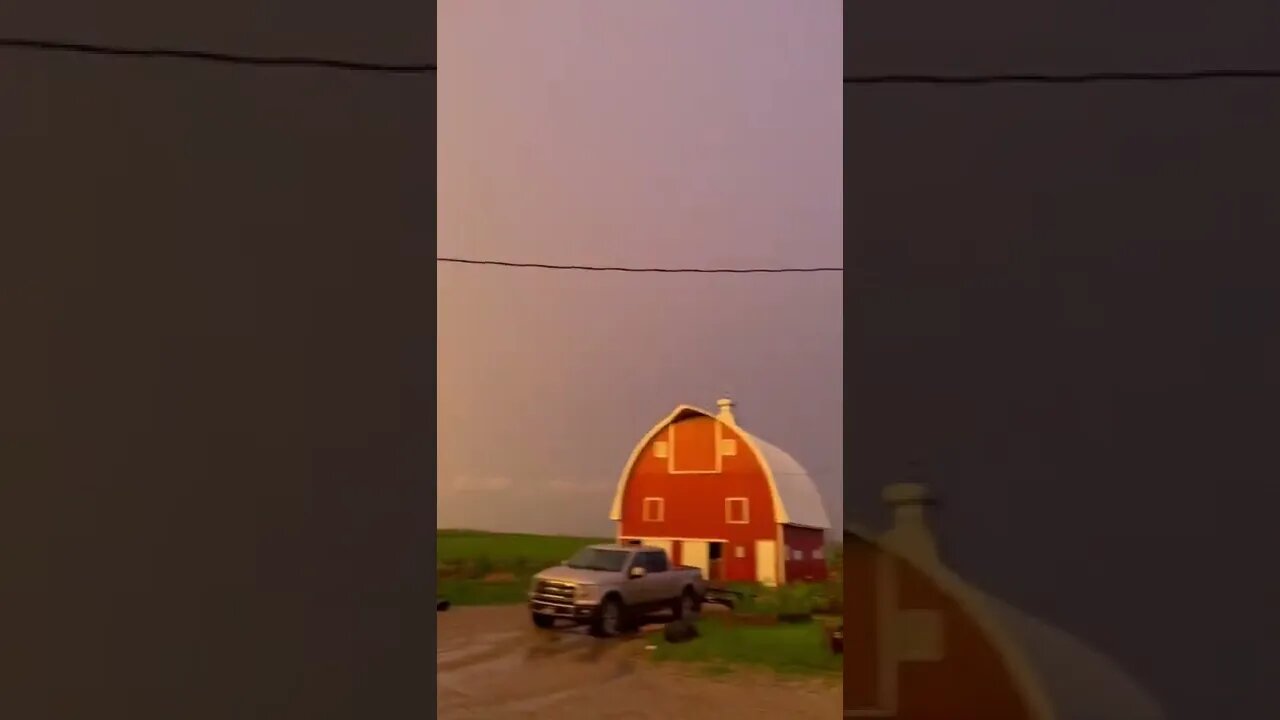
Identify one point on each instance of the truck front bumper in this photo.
(576, 611)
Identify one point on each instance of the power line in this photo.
(609, 268)
(216, 57)
(1062, 79)
(57, 46)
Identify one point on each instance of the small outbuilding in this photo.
(922, 644)
(721, 499)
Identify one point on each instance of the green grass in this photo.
(507, 551)
(787, 649)
(465, 557)
(462, 591)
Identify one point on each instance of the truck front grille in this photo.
(551, 591)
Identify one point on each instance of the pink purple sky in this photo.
(663, 133)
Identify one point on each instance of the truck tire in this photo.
(687, 606)
(610, 619)
(541, 621)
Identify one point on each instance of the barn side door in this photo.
(664, 544)
(767, 562)
(697, 553)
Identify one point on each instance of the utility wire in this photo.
(609, 268)
(216, 57)
(1062, 79)
(55, 46)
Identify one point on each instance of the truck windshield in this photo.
(597, 559)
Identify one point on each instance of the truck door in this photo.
(651, 588)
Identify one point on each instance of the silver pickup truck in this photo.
(612, 587)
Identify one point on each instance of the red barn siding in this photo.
(807, 541)
(971, 681)
(861, 639)
(695, 502)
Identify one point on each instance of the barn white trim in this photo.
(680, 539)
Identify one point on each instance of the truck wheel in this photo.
(609, 620)
(542, 621)
(687, 606)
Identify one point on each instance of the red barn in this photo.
(921, 643)
(721, 499)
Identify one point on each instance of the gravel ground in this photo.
(492, 664)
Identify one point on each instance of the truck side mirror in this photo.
(637, 572)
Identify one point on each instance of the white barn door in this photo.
(696, 553)
(664, 544)
(767, 562)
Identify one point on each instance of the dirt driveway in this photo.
(493, 665)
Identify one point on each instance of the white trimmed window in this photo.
(728, 447)
(736, 511)
(797, 554)
(653, 509)
(661, 449)
(739, 551)
(817, 554)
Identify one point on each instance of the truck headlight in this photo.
(583, 592)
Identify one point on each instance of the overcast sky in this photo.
(1074, 320)
(663, 133)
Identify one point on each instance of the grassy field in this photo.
(483, 568)
(787, 649)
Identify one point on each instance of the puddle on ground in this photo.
(460, 677)
(530, 669)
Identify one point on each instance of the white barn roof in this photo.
(796, 500)
(796, 495)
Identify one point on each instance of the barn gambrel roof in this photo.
(796, 500)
